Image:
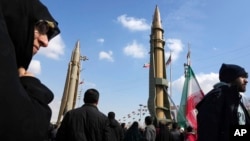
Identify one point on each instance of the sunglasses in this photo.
(42, 27)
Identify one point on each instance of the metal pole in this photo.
(140, 111)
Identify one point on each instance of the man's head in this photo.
(123, 125)
(189, 129)
(148, 120)
(175, 125)
(91, 96)
(234, 75)
(111, 115)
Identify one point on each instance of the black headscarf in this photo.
(21, 17)
(24, 101)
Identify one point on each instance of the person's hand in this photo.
(23, 72)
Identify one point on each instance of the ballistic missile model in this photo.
(70, 93)
(158, 102)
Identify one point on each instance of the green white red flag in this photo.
(191, 95)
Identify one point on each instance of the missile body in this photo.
(158, 103)
(68, 101)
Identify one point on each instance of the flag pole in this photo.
(188, 61)
(188, 55)
(170, 75)
(176, 107)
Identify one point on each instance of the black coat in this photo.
(217, 113)
(86, 123)
(26, 111)
(163, 133)
(133, 133)
(117, 133)
(23, 101)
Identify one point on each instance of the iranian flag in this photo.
(191, 95)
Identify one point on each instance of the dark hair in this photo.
(111, 115)
(189, 129)
(175, 125)
(135, 124)
(148, 120)
(91, 96)
(123, 124)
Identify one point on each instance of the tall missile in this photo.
(158, 102)
(68, 101)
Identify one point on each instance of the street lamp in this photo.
(140, 110)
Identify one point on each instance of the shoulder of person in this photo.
(215, 95)
(218, 90)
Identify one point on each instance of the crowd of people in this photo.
(88, 123)
(27, 25)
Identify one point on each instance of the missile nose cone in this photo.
(157, 18)
(76, 52)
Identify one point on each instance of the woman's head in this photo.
(21, 26)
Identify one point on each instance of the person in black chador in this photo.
(117, 133)
(222, 109)
(163, 132)
(124, 128)
(25, 26)
(133, 133)
(175, 132)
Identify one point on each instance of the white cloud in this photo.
(135, 50)
(55, 48)
(177, 85)
(132, 23)
(106, 56)
(206, 82)
(175, 46)
(100, 40)
(35, 67)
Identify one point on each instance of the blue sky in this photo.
(114, 35)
